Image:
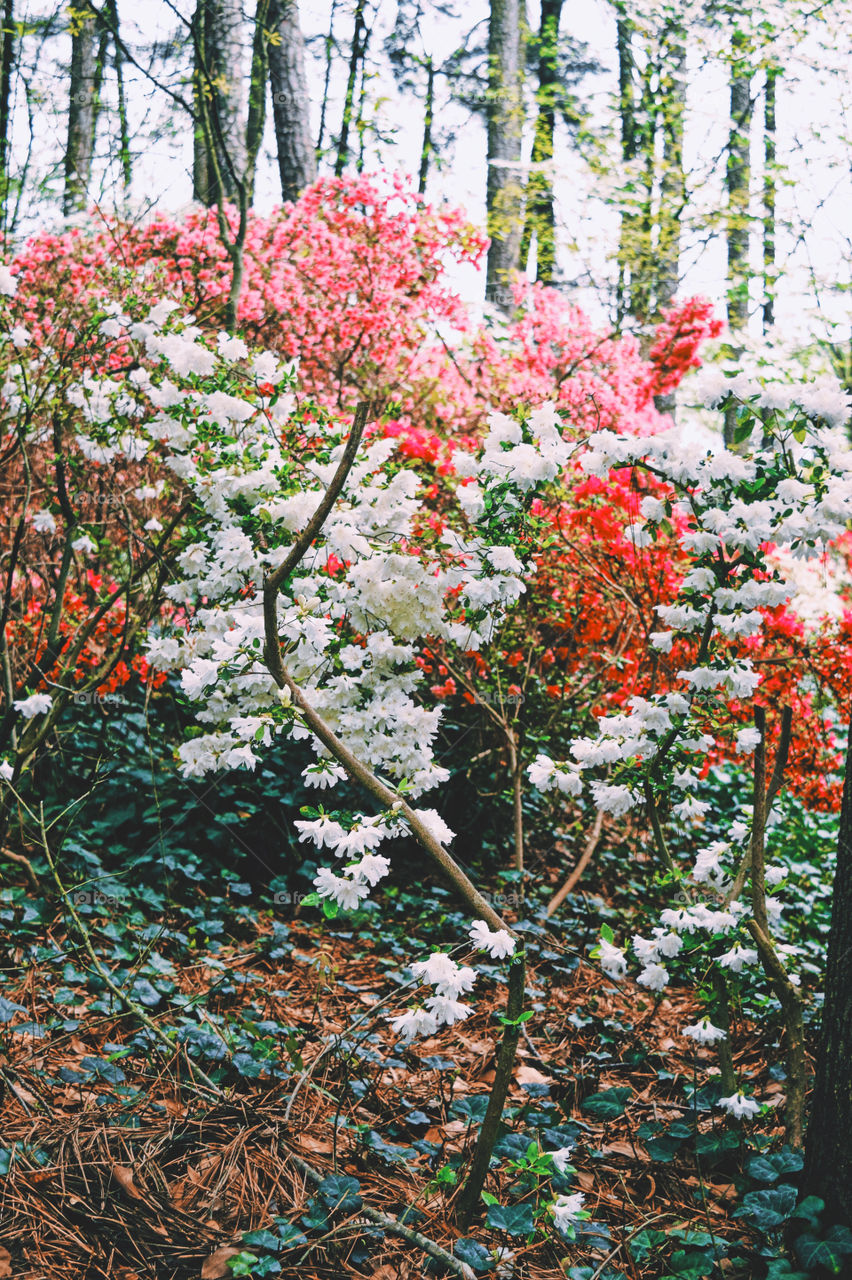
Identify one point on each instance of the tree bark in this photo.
(6, 68)
(828, 1156)
(738, 179)
(297, 160)
(627, 126)
(219, 160)
(504, 195)
(427, 146)
(540, 215)
(356, 57)
(673, 178)
(769, 195)
(82, 110)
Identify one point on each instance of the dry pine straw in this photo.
(173, 1194)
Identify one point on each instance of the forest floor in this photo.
(116, 1163)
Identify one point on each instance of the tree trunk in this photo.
(329, 57)
(356, 57)
(6, 67)
(219, 161)
(297, 160)
(540, 216)
(673, 178)
(123, 128)
(82, 110)
(427, 146)
(828, 1152)
(627, 124)
(504, 194)
(672, 183)
(739, 183)
(769, 195)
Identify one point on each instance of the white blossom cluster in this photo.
(367, 588)
(747, 517)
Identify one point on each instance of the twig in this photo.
(393, 1225)
(585, 858)
(469, 1195)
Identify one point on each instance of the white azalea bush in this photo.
(310, 568)
(783, 494)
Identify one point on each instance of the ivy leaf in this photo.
(514, 1219)
(341, 1192)
(770, 1168)
(768, 1209)
(473, 1253)
(828, 1252)
(607, 1105)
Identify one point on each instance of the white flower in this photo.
(153, 526)
(567, 1209)
(504, 560)
(324, 831)
(612, 959)
(737, 958)
(435, 825)
(561, 1158)
(613, 799)
(497, 944)
(689, 807)
(774, 874)
(662, 640)
(43, 522)
(448, 978)
(6, 771)
(322, 775)
(414, 1022)
(654, 977)
(373, 867)
(739, 1106)
(20, 336)
(345, 892)
(445, 1009)
(359, 840)
(747, 740)
(84, 544)
(8, 283)
(703, 677)
(231, 348)
(37, 704)
(704, 1032)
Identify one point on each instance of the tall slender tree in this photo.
(219, 156)
(82, 108)
(773, 72)
(504, 190)
(7, 66)
(297, 160)
(357, 53)
(738, 180)
(540, 215)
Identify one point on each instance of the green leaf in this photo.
(514, 1219)
(607, 1105)
(768, 1209)
(607, 933)
(473, 1253)
(827, 1252)
(341, 1192)
(770, 1168)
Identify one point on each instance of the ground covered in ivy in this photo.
(117, 1159)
